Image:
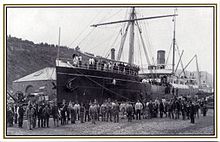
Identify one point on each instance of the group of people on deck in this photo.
(105, 65)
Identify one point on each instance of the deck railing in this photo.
(116, 68)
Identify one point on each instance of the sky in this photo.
(194, 31)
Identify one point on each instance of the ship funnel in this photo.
(160, 57)
(113, 53)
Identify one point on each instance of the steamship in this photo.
(85, 77)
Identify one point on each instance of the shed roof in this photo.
(48, 73)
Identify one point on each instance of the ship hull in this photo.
(85, 85)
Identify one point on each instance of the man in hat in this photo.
(109, 110)
(46, 112)
(87, 117)
(34, 115)
(82, 112)
(129, 110)
(72, 113)
(192, 112)
(93, 112)
(103, 108)
(20, 112)
(55, 114)
(138, 109)
(10, 116)
(77, 107)
(115, 108)
(29, 114)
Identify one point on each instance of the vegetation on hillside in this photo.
(25, 57)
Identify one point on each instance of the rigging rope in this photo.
(169, 53)
(114, 42)
(114, 14)
(100, 43)
(138, 39)
(181, 60)
(149, 44)
(123, 37)
(108, 43)
(92, 29)
(124, 24)
(108, 53)
(86, 36)
(84, 29)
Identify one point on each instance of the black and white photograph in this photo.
(110, 70)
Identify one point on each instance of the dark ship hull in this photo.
(84, 85)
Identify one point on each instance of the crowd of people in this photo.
(38, 115)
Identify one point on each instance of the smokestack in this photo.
(113, 53)
(160, 57)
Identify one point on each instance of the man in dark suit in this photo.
(192, 112)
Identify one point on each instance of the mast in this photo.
(58, 50)
(131, 42)
(199, 76)
(131, 23)
(174, 40)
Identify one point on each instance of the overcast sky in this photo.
(194, 30)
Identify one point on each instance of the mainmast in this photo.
(131, 43)
(131, 23)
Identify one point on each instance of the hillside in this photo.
(25, 57)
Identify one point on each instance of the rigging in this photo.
(131, 23)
